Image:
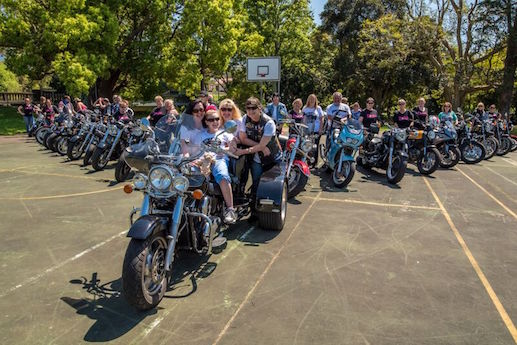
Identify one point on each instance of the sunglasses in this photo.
(252, 108)
(195, 111)
(212, 119)
(369, 103)
(226, 109)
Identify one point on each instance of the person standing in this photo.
(276, 109)
(403, 118)
(356, 111)
(369, 115)
(27, 110)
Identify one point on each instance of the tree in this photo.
(8, 80)
(204, 42)
(105, 44)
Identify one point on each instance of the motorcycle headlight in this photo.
(137, 131)
(431, 135)
(401, 136)
(161, 178)
(306, 145)
(352, 141)
(139, 181)
(180, 183)
(113, 130)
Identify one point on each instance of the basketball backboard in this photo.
(263, 68)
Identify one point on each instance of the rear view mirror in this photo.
(230, 126)
(144, 124)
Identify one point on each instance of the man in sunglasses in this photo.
(258, 133)
(493, 113)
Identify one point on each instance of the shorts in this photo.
(220, 170)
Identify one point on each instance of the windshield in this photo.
(166, 133)
(354, 124)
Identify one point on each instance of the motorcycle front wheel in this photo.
(397, 171)
(88, 155)
(100, 158)
(144, 278)
(73, 150)
(505, 147)
(491, 146)
(40, 134)
(62, 145)
(343, 177)
(122, 170)
(296, 181)
(514, 145)
(430, 162)
(472, 153)
(450, 158)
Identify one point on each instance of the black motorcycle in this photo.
(503, 138)
(472, 151)
(483, 131)
(389, 152)
(182, 209)
(421, 149)
(445, 142)
(137, 135)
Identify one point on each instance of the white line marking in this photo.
(61, 264)
(64, 195)
(243, 237)
(266, 270)
(511, 161)
(26, 208)
(504, 177)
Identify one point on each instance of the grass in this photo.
(10, 121)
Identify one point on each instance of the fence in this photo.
(17, 98)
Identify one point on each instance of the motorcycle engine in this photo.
(414, 154)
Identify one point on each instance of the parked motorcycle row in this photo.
(182, 206)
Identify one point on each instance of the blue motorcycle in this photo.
(344, 144)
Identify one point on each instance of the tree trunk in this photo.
(510, 65)
(104, 87)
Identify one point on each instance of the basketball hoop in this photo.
(262, 75)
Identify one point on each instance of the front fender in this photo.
(147, 225)
(270, 188)
(303, 167)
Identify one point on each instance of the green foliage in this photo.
(10, 121)
(8, 80)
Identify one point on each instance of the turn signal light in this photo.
(128, 189)
(197, 194)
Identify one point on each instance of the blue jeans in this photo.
(29, 122)
(220, 170)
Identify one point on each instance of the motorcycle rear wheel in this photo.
(144, 278)
(428, 165)
(451, 158)
(45, 139)
(472, 153)
(296, 182)
(275, 220)
(398, 169)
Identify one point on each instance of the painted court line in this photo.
(511, 161)
(61, 264)
(54, 174)
(507, 209)
(503, 177)
(491, 293)
(64, 195)
(266, 270)
(374, 203)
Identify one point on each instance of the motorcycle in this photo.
(504, 141)
(296, 148)
(182, 209)
(122, 170)
(99, 130)
(421, 149)
(80, 142)
(445, 142)
(344, 143)
(472, 151)
(483, 132)
(389, 152)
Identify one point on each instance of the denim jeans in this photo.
(256, 173)
(29, 122)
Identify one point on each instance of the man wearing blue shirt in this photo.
(276, 110)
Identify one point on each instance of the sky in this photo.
(317, 8)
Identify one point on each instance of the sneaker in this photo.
(229, 216)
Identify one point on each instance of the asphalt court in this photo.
(372, 264)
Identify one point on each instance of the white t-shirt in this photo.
(345, 110)
(225, 139)
(269, 131)
(193, 137)
(313, 117)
